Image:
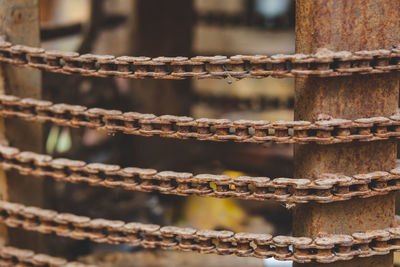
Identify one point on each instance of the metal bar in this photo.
(49, 32)
(152, 35)
(346, 25)
(19, 23)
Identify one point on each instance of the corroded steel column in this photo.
(162, 28)
(346, 25)
(19, 23)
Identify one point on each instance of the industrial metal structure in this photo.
(345, 134)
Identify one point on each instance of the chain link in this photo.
(329, 131)
(325, 248)
(328, 188)
(10, 256)
(324, 63)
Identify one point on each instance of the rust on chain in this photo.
(324, 248)
(324, 131)
(324, 63)
(327, 188)
(11, 256)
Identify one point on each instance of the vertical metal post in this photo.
(162, 28)
(346, 25)
(19, 23)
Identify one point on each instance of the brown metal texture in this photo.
(328, 188)
(151, 26)
(323, 63)
(11, 256)
(346, 25)
(19, 23)
(327, 130)
(322, 249)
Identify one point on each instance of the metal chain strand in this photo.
(324, 63)
(328, 188)
(11, 256)
(325, 248)
(331, 131)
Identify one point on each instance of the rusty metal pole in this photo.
(346, 25)
(19, 23)
(162, 28)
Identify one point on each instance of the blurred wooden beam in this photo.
(161, 28)
(19, 23)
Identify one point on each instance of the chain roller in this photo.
(328, 188)
(324, 249)
(330, 131)
(324, 63)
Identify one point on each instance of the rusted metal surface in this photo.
(321, 63)
(358, 83)
(19, 23)
(299, 249)
(346, 25)
(325, 131)
(151, 27)
(154, 33)
(336, 187)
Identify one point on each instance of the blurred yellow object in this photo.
(233, 174)
(397, 259)
(213, 213)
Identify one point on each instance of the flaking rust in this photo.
(352, 26)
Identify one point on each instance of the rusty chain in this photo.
(327, 131)
(324, 63)
(325, 248)
(328, 188)
(11, 256)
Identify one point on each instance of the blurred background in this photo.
(169, 28)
